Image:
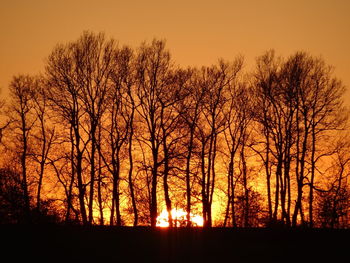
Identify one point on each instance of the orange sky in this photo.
(197, 32)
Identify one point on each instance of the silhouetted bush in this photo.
(47, 214)
(12, 204)
(333, 208)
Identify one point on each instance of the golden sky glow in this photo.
(197, 32)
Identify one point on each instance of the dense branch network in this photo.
(114, 135)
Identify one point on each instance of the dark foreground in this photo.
(142, 244)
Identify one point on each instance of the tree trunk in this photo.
(24, 167)
(188, 177)
(277, 192)
(131, 167)
(99, 182)
(81, 186)
(167, 198)
(231, 190)
(42, 164)
(92, 170)
(312, 179)
(267, 169)
(154, 179)
(245, 186)
(116, 181)
(70, 188)
(203, 186)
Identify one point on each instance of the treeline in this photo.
(111, 134)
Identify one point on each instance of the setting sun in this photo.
(179, 218)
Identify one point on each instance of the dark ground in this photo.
(142, 244)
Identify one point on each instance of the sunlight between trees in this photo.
(113, 135)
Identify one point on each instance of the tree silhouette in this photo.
(122, 133)
(22, 105)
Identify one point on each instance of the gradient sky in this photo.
(197, 32)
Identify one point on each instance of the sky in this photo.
(197, 32)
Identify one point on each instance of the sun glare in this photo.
(179, 218)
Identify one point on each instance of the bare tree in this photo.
(129, 131)
(120, 122)
(132, 110)
(327, 115)
(238, 118)
(152, 66)
(265, 79)
(294, 97)
(215, 82)
(94, 58)
(171, 125)
(21, 92)
(45, 136)
(79, 75)
(190, 108)
(64, 95)
(333, 204)
(124, 80)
